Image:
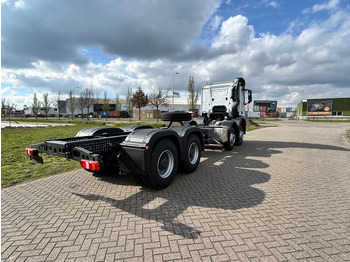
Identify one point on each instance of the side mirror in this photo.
(250, 97)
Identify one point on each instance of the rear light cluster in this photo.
(30, 151)
(90, 165)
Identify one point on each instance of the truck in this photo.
(153, 156)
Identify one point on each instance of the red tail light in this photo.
(90, 165)
(30, 151)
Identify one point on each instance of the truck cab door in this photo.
(205, 101)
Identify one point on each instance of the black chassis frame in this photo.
(208, 130)
(130, 150)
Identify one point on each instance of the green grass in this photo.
(251, 128)
(325, 120)
(15, 164)
(265, 119)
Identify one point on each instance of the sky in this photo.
(285, 50)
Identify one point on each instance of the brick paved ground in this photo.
(284, 195)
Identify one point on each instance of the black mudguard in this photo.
(236, 123)
(184, 132)
(136, 150)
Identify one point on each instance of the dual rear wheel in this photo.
(235, 137)
(165, 162)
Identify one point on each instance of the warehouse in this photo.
(325, 108)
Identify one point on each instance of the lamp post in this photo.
(176, 73)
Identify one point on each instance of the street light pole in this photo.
(176, 73)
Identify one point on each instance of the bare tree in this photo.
(36, 106)
(105, 105)
(56, 103)
(46, 104)
(139, 99)
(89, 99)
(3, 107)
(6, 109)
(118, 105)
(81, 103)
(158, 99)
(192, 95)
(71, 103)
(129, 102)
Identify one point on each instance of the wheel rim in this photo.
(232, 138)
(193, 153)
(165, 163)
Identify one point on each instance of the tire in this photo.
(164, 162)
(175, 116)
(192, 154)
(229, 145)
(239, 136)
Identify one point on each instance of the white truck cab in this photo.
(224, 100)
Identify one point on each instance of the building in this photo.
(262, 108)
(325, 108)
(286, 112)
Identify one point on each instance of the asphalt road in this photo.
(284, 195)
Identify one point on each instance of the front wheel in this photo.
(164, 162)
(240, 136)
(228, 146)
(192, 154)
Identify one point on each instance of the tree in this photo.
(139, 99)
(3, 107)
(118, 105)
(88, 99)
(71, 103)
(192, 95)
(56, 103)
(46, 104)
(6, 109)
(158, 99)
(128, 101)
(81, 104)
(36, 106)
(105, 105)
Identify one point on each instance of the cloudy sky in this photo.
(285, 50)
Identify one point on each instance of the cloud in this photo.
(150, 44)
(330, 5)
(273, 4)
(235, 34)
(55, 31)
(215, 22)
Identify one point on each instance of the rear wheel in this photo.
(192, 154)
(164, 162)
(229, 145)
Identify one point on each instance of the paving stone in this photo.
(281, 196)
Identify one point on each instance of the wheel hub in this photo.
(193, 153)
(165, 163)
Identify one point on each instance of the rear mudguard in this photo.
(184, 132)
(136, 150)
(236, 123)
